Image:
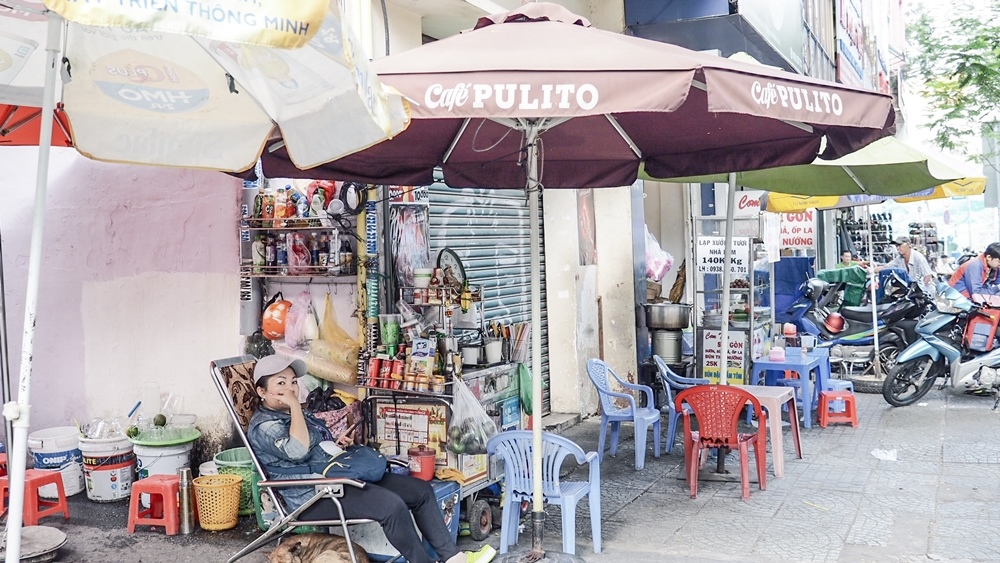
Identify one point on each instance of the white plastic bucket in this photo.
(109, 468)
(58, 449)
(161, 460)
(208, 468)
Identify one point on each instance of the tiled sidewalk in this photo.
(937, 502)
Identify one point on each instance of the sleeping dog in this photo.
(316, 548)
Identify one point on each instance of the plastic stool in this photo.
(850, 413)
(837, 405)
(163, 509)
(35, 507)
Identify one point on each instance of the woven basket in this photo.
(218, 499)
(237, 462)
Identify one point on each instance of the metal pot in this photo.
(670, 316)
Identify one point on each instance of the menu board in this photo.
(711, 355)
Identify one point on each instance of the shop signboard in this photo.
(711, 256)
(779, 22)
(711, 354)
(798, 230)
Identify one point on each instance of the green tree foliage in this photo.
(955, 57)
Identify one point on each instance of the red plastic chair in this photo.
(717, 409)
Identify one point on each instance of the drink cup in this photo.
(390, 329)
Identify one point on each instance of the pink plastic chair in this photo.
(717, 409)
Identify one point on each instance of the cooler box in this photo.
(371, 537)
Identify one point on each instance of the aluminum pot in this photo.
(670, 316)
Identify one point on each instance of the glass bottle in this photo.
(333, 263)
(466, 300)
(282, 251)
(314, 249)
(324, 253)
(258, 253)
(270, 255)
(346, 257)
(280, 204)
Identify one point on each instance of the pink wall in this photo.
(104, 222)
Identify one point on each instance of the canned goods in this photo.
(385, 372)
(374, 365)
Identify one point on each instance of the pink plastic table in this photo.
(771, 398)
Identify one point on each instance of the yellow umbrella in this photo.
(789, 203)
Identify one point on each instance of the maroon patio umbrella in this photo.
(537, 97)
(613, 100)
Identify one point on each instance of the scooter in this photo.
(849, 332)
(968, 360)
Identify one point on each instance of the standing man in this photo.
(846, 260)
(915, 264)
(978, 275)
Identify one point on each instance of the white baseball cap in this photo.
(270, 365)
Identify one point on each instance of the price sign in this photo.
(711, 254)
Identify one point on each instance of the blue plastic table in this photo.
(802, 365)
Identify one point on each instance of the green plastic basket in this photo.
(237, 462)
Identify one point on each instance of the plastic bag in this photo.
(300, 324)
(658, 261)
(334, 355)
(298, 256)
(470, 427)
(258, 345)
(524, 384)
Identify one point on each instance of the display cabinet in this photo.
(749, 297)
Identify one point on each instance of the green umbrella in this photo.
(887, 167)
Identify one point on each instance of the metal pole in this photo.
(874, 279)
(533, 187)
(726, 267)
(4, 353)
(18, 413)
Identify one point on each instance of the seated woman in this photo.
(285, 436)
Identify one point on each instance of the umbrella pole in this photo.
(877, 360)
(726, 269)
(18, 413)
(4, 353)
(533, 186)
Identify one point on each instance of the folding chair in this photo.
(233, 377)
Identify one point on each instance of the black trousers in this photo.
(390, 502)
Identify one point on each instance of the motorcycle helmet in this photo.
(273, 321)
(834, 322)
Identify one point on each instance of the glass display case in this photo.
(749, 317)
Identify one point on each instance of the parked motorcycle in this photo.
(849, 332)
(967, 359)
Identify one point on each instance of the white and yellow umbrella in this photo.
(777, 202)
(191, 84)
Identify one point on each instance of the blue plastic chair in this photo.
(515, 448)
(615, 415)
(673, 382)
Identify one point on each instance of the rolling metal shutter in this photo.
(490, 231)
